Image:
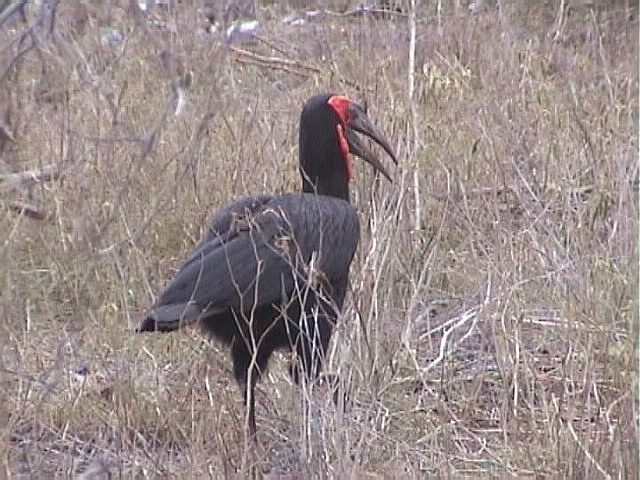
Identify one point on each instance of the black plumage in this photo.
(272, 271)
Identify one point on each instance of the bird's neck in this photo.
(321, 185)
(322, 164)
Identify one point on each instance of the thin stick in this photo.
(21, 181)
(27, 210)
(586, 452)
(414, 116)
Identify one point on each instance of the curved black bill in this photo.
(359, 122)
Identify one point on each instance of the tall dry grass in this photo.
(492, 324)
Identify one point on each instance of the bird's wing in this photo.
(226, 224)
(253, 253)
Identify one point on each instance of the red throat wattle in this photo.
(340, 105)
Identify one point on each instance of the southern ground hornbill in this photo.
(272, 270)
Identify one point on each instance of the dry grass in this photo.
(492, 326)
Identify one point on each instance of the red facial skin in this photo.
(340, 105)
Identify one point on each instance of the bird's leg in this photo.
(311, 347)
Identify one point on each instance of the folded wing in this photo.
(257, 251)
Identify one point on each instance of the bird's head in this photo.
(329, 127)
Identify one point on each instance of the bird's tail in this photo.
(166, 318)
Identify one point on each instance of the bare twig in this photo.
(291, 66)
(295, 67)
(411, 80)
(471, 314)
(5, 132)
(27, 210)
(11, 10)
(22, 181)
(586, 452)
(45, 18)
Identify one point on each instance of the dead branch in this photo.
(294, 67)
(5, 132)
(26, 209)
(22, 181)
(469, 315)
(291, 66)
(45, 19)
(11, 10)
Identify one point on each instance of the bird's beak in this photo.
(359, 122)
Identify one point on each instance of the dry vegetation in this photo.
(492, 324)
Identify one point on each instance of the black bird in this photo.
(272, 270)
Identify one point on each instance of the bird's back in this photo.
(258, 252)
